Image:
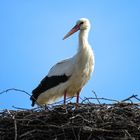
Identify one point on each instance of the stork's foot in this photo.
(77, 106)
(45, 107)
(64, 107)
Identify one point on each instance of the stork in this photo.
(68, 77)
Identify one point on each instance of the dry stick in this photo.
(79, 134)
(15, 125)
(19, 90)
(104, 98)
(89, 136)
(74, 133)
(100, 99)
(127, 133)
(86, 99)
(68, 99)
(129, 98)
(27, 133)
(10, 89)
(20, 108)
(137, 98)
(96, 96)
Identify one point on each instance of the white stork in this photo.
(68, 77)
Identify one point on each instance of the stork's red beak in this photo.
(72, 31)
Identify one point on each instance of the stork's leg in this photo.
(65, 95)
(77, 98)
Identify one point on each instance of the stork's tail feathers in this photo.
(33, 100)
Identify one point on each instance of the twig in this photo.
(129, 98)
(15, 125)
(11, 89)
(60, 102)
(74, 133)
(107, 99)
(96, 96)
(20, 108)
(127, 133)
(27, 133)
(89, 136)
(19, 90)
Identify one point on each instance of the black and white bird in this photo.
(68, 77)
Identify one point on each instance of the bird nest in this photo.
(88, 121)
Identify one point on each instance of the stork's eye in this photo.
(81, 23)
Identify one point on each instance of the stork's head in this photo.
(81, 24)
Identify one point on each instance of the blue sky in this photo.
(31, 33)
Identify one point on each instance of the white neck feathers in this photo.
(83, 39)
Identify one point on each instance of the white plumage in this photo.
(68, 77)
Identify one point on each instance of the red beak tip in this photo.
(72, 31)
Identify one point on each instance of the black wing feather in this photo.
(47, 83)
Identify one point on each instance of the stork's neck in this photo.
(83, 40)
(84, 51)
